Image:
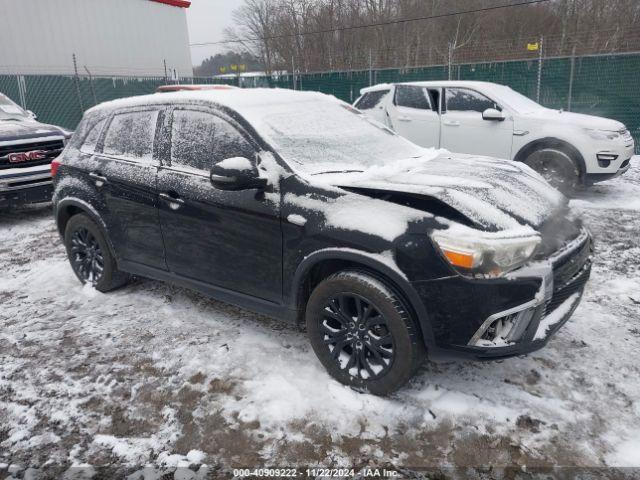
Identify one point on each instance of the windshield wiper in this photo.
(11, 118)
(338, 171)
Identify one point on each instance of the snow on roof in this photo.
(244, 101)
(194, 86)
(375, 88)
(255, 105)
(432, 83)
(294, 122)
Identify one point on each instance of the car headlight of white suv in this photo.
(485, 254)
(602, 134)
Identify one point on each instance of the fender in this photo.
(385, 272)
(551, 142)
(87, 208)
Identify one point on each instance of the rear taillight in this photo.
(55, 164)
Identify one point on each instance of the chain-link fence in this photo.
(602, 84)
(61, 100)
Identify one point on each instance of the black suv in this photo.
(295, 205)
(27, 147)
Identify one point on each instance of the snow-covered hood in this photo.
(494, 194)
(575, 119)
(20, 130)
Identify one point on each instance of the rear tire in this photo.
(557, 167)
(90, 256)
(363, 333)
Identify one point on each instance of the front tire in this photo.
(90, 256)
(363, 333)
(557, 167)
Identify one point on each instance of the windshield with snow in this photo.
(11, 111)
(517, 101)
(325, 136)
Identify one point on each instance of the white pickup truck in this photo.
(568, 149)
(26, 150)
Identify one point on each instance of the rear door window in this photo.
(412, 97)
(91, 140)
(466, 100)
(131, 135)
(370, 99)
(200, 139)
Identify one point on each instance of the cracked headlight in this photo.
(485, 254)
(602, 134)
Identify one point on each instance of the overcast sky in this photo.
(207, 20)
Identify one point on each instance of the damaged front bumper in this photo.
(516, 314)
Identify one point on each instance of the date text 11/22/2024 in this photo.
(365, 473)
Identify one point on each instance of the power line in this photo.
(379, 24)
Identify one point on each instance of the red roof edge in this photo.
(175, 3)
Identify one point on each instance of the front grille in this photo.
(26, 183)
(52, 149)
(570, 274)
(563, 292)
(567, 266)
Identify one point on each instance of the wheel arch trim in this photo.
(546, 142)
(373, 265)
(86, 208)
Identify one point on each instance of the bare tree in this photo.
(321, 35)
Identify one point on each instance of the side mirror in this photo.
(32, 115)
(493, 114)
(236, 173)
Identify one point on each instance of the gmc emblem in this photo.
(27, 156)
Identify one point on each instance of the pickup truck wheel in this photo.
(90, 256)
(556, 167)
(362, 333)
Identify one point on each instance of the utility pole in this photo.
(293, 72)
(165, 71)
(22, 91)
(450, 59)
(77, 81)
(539, 69)
(370, 69)
(573, 64)
(93, 90)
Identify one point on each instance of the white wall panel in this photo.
(110, 37)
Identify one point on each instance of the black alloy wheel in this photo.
(90, 256)
(357, 336)
(86, 256)
(363, 333)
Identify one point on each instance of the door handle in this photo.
(404, 118)
(99, 179)
(174, 202)
(451, 123)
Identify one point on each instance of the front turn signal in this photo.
(459, 259)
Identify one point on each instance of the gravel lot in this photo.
(102, 385)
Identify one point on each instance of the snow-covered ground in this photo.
(157, 375)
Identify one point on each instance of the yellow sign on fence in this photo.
(532, 46)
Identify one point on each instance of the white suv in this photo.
(483, 118)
